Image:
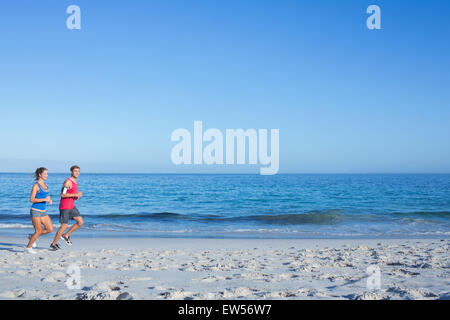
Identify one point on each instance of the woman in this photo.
(39, 199)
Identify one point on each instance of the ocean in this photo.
(242, 205)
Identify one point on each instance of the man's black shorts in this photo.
(65, 215)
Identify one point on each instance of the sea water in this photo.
(242, 205)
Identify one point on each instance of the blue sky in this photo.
(346, 99)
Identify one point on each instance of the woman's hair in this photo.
(38, 172)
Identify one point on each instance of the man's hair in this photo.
(73, 168)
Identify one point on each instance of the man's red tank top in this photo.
(68, 203)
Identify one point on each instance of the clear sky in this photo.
(107, 97)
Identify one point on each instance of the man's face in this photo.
(75, 172)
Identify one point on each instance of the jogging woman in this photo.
(39, 199)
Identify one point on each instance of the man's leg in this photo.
(76, 226)
(60, 232)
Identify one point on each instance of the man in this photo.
(67, 209)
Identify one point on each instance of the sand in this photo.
(175, 268)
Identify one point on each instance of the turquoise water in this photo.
(286, 206)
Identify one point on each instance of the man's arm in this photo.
(67, 186)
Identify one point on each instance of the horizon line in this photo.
(222, 173)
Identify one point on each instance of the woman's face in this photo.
(44, 175)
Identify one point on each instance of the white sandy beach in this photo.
(174, 268)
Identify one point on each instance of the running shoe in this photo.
(34, 245)
(30, 250)
(54, 247)
(67, 240)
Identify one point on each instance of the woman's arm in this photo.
(33, 199)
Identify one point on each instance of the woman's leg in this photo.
(37, 230)
(48, 225)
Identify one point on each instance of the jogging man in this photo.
(67, 209)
